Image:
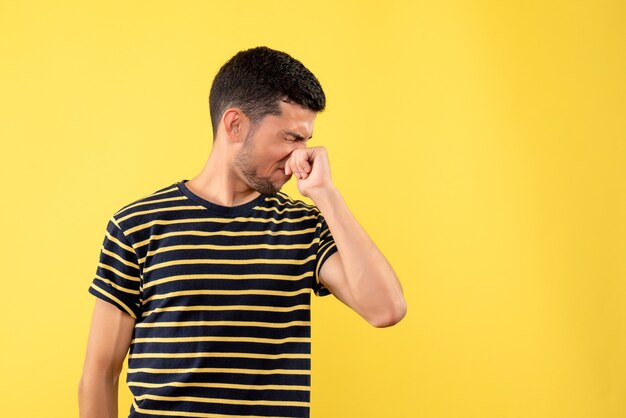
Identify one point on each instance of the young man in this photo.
(208, 281)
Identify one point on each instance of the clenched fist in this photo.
(312, 169)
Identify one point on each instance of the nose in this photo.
(299, 144)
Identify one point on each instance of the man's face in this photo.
(261, 162)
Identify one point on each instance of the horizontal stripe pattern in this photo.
(221, 299)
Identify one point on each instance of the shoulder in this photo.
(282, 201)
(136, 211)
(281, 205)
(281, 209)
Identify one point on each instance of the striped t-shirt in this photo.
(221, 297)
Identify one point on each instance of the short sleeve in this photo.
(326, 248)
(118, 277)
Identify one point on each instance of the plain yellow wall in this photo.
(482, 144)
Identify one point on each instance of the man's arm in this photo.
(109, 340)
(358, 274)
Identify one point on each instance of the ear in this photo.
(236, 124)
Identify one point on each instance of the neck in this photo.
(219, 182)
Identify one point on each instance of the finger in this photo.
(301, 163)
(304, 167)
(290, 167)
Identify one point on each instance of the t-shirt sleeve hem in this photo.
(319, 289)
(114, 297)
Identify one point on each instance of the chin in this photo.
(265, 185)
(267, 189)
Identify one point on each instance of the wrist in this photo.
(324, 195)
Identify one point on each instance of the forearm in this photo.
(97, 396)
(372, 282)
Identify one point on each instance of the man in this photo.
(208, 280)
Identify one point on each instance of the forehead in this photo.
(293, 118)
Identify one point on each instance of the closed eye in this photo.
(295, 137)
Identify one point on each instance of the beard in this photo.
(245, 163)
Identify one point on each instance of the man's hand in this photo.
(312, 169)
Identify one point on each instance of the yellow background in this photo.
(482, 144)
